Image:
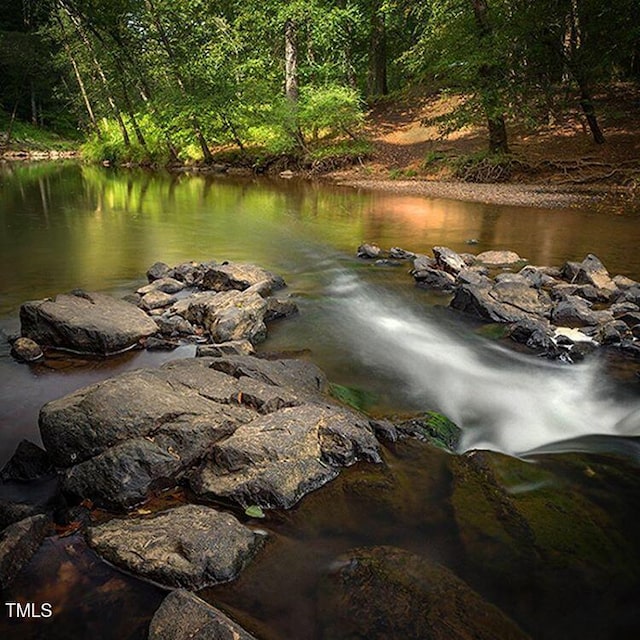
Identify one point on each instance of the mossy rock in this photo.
(387, 593)
(521, 523)
(434, 428)
(358, 399)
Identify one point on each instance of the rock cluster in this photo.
(560, 312)
(208, 302)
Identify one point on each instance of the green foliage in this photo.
(254, 511)
(331, 109)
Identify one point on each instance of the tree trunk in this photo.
(34, 108)
(378, 55)
(13, 119)
(498, 141)
(586, 102)
(291, 88)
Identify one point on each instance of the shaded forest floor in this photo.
(559, 161)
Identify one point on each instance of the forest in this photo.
(160, 81)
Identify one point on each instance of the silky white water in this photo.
(502, 400)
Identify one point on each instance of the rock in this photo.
(532, 332)
(434, 279)
(28, 462)
(537, 276)
(448, 260)
(257, 465)
(166, 285)
(174, 325)
(622, 282)
(232, 348)
(369, 251)
(238, 276)
(26, 350)
(145, 430)
(575, 312)
(387, 593)
(593, 272)
(498, 258)
(160, 344)
(226, 315)
(570, 270)
(631, 348)
(85, 322)
(586, 291)
(396, 253)
(433, 428)
(632, 294)
(11, 512)
(190, 273)
(514, 278)
(630, 318)
(422, 262)
(469, 259)
(157, 271)
(18, 543)
(277, 309)
(472, 276)
(620, 308)
(156, 300)
(184, 616)
(614, 333)
(190, 546)
(504, 302)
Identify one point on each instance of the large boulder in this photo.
(120, 439)
(434, 279)
(387, 593)
(85, 322)
(276, 460)
(226, 315)
(184, 616)
(593, 272)
(239, 276)
(448, 260)
(190, 546)
(573, 311)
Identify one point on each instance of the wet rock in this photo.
(632, 294)
(570, 271)
(513, 278)
(239, 276)
(631, 348)
(276, 460)
(166, 285)
(587, 291)
(226, 315)
(189, 546)
(184, 616)
(537, 276)
(11, 512)
(434, 279)
(614, 332)
(423, 262)
(156, 300)
(85, 322)
(472, 276)
(498, 258)
(620, 308)
(18, 543)
(174, 325)
(576, 312)
(277, 309)
(28, 462)
(433, 428)
(26, 350)
(190, 273)
(157, 271)
(369, 251)
(448, 260)
(532, 332)
(386, 593)
(622, 282)
(504, 302)
(396, 253)
(593, 272)
(232, 348)
(160, 344)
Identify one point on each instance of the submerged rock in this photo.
(85, 322)
(18, 543)
(26, 350)
(387, 593)
(190, 546)
(28, 462)
(184, 616)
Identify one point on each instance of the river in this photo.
(66, 226)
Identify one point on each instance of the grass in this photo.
(28, 137)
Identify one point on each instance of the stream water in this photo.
(65, 226)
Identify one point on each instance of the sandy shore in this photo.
(523, 195)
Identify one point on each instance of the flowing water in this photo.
(65, 226)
